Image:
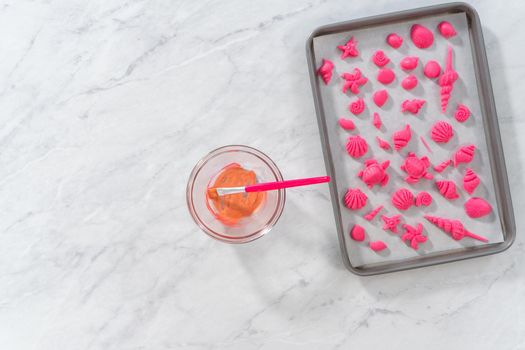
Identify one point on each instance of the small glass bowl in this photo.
(251, 227)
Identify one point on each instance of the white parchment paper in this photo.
(465, 91)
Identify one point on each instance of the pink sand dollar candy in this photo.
(476, 207)
(380, 97)
(447, 189)
(413, 106)
(416, 168)
(409, 62)
(421, 36)
(454, 228)
(356, 146)
(432, 69)
(414, 235)
(380, 59)
(390, 223)
(386, 76)
(401, 137)
(374, 173)
(423, 199)
(325, 71)
(347, 124)
(377, 246)
(409, 82)
(353, 81)
(382, 143)
(371, 215)
(394, 40)
(447, 80)
(442, 166)
(446, 29)
(441, 132)
(377, 121)
(464, 154)
(402, 199)
(355, 199)
(470, 181)
(349, 49)
(357, 107)
(462, 113)
(357, 233)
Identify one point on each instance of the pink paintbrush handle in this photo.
(268, 186)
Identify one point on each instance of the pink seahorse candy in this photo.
(347, 124)
(377, 121)
(353, 81)
(421, 36)
(442, 166)
(374, 173)
(380, 97)
(453, 227)
(412, 106)
(470, 181)
(409, 82)
(380, 59)
(382, 143)
(423, 199)
(414, 235)
(402, 199)
(462, 113)
(325, 71)
(390, 223)
(476, 207)
(446, 29)
(349, 49)
(447, 189)
(447, 80)
(386, 76)
(464, 155)
(394, 40)
(377, 245)
(409, 62)
(356, 146)
(357, 233)
(357, 107)
(371, 215)
(355, 199)
(401, 137)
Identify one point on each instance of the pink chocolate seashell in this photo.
(325, 71)
(409, 62)
(382, 143)
(402, 199)
(374, 173)
(349, 49)
(464, 155)
(442, 166)
(370, 216)
(462, 113)
(447, 189)
(416, 168)
(357, 107)
(401, 137)
(441, 132)
(377, 121)
(394, 40)
(380, 97)
(423, 199)
(353, 81)
(390, 223)
(414, 235)
(421, 36)
(380, 59)
(453, 227)
(377, 245)
(470, 181)
(409, 82)
(356, 146)
(355, 199)
(357, 233)
(447, 80)
(446, 29)
(386, 76)
(347, 124)
(412, 106)
(476, 207)
(432, 69)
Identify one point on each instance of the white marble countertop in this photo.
(105, 108)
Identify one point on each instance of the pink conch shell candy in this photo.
(402, 199)
(446, 29)
(356, 146)
(414, 235)
(476, 207)
(412, 106)
(409, 82)
(353, 81)
(382, 143)
(470, 181)
(401, 137)
(447, 189)
(394, 40)
(423, 199)
(355, 199)
(347, 124)
(349, 49)
(377, 245)
(421, 36)
(462, 113)
(325, 71)
(441, 132)
(380, 59)
(432, 69)
(416, 168)
(377, 121)
(386, 76)
(380, 97)
(374, 173)
(409, 62)
(453, 227)
(357, 233)
(442, 166)
(390, 223)
(447, 80)
(464, 155)
(370, 216)
(357, 107)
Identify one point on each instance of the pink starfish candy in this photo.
(414, 235)
(353, 81)
(390, 223)
(349, 49)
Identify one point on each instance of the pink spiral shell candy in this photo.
(421, 36)
(371, 215)
(447, 189)
(377, 121)
(386, 76)
(325, 71)
(390, 223)
(409, 82)
(402, 199)
(414, 235)
(356, 146)
(476, 207)
(453, 227)
(413, 106)
(380, 97)
(447, 80)
(357, 107)
(349, 49)
(441, 132)
(423, 199)
(401, 137)
(380, 59)
(464, 155)
(446, 29)
(462, 113)
(394, 40)
(347, 124)
(374, 173)
(432, 69)
(355, 199)
(442, 166)
(353, 81)
(470, 181)
(377, 245)
(382, 143)
(409, 62)
(357, 233)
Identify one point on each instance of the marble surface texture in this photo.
(105, 106)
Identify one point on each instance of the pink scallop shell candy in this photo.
(447, 189)
(402, 199)
(325, 71)
(413, 106)
(353, 81)
(382, 143)
(421, 36)
(357, 107)
(409, 62)
(441, 132)
(446, 29)
(394, 40)
(401, 137)
(377, 121)
(377, 245)
(462, 113)
(470, 181)
(371, 215)
(349, 49)
(423, 199)
(409, 82)
(355, 199)
(476, 207)
(347, 124)
(390, 223)
(442, 166)
(357, 233)
(432, 69)
(380, 97)
(386, 76)
(356, 146)
(380, 59)
(454, 228)
(464, 155)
